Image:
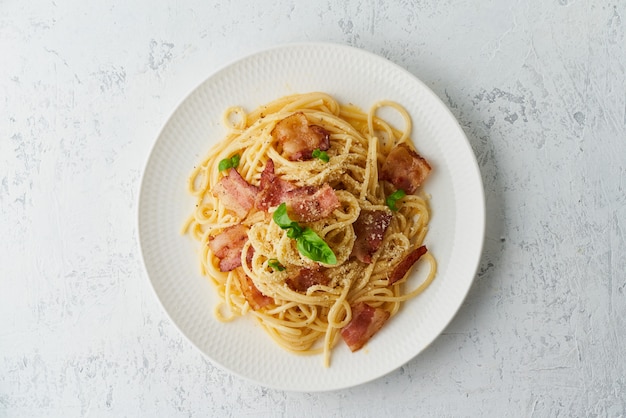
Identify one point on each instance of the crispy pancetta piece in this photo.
(253, 295)
(365, 322)
(227, 246)
(310, 203)
(235, 193)
(370, 229)
(298, 138)
(272, 189)
(405, 168)
(405, 265)
(307, 278)
(305, 204)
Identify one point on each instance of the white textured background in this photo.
(539, 87)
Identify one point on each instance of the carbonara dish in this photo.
(310, 215)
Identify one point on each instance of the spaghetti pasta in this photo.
(265, 271)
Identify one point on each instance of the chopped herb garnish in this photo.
(322, 155)
(273, 263)
(227, 163)
(393, 198)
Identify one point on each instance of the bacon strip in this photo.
(405, 265)
(235, 193)
(299, 139)
(272, 188)
(310, 203)
(307, 278)
(306, 204)
(370, 229)
(366, 321)
(405, 168)
(253, 295)
(227, 246)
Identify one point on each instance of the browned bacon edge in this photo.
(227, 246)
(310, 203)
(366, 321)
(307, 278)
(405, 265)
(235, 193)
(272, 189)
(405, 168)
(253, 295)
(299, 139)
(370, 228)
(305, 204)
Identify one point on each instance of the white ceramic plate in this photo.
(350, 75)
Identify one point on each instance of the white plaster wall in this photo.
(539, 86)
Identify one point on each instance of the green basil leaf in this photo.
(225, 164)
(393, 198)
(312, 246)
(273, 263)
(322, 155)
(281, 218)
(295, 231)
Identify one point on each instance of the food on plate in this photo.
(311, 215)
